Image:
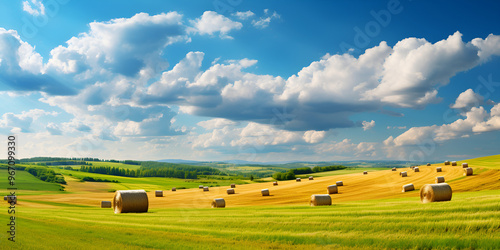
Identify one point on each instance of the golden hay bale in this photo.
(404, 174)
(453, 163)
(339, 183)
(297, 180)
(468, 171)
(332, 189)
(174, 189)
(311, 178)
(320, 200)
(438, 169)
(435, 192)
(439, 179)
(264, 192)
(159, 193)
(230, 191)
(200, 186)
(428, 164)
(218, 203)
(465, 165)
(365, 172)
(394, 169)
(447, 163)
(233, 185)
(205, 189)
(130, 201)
(105, 204)
(416, 169)
(275, 183)
(408, 187)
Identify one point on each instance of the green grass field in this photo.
(28, 183)
(469, 221)
(492, 162)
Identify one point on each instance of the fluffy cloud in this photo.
(22, 122)
(243, 15)
(467, 99)
(34, 8)
(368, 125)
(211, 22)
(263, 22)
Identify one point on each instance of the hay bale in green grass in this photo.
(320, 200)
(468, 171)
(332, 189)
(440, 179)
(218, 203)
(106, 204)
(435, 192)
(130, 201)
(408, 187)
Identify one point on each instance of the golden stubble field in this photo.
(375, 185)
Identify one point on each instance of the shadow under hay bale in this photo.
(332, 189)
(159, 193)
(130, 201)
(233, 185)
(468, 171)
(435, 192)
(439, 169)
(440, 179)
(106, 204)
(230, 191)
(339, 183)
(408, 187)
(320, 200)
(264, 192)
(218, 203)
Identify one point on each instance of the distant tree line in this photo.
(290, 175)
(45, 174)
(90, 179)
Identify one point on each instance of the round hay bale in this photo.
(428, 164)
(159, 193)
(468, 171)
(404, 174)
(311, 178)
(438, 169)
(365, 172)
(200, 186)
(297, 180)
(174, 189)
(435, 192)
(440, 179)
(394, 169)
(230, 191)
(264, 192)
(408, 187)
(218, 203)
(465, 165)
(205, 189)
(453, 163)
(320, 200)
(130, 201)
(275, 183)
(447, 163)
(332, 189)
(233, 185)
(105, 204)
(416, 169)
(339, 183)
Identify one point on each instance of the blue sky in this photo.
(251, 80)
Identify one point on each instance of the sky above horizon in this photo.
(251, 80)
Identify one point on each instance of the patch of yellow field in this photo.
(75, 186)
(374, 185)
